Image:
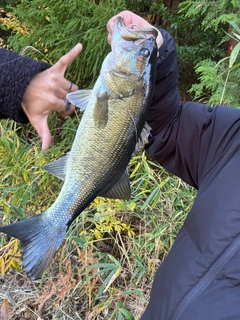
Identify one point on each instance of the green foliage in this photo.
(5, 3)
(193, 43)
(214, 14)
(113, 249)
(210, 87)
(218, 80)
(106, 219)
(53, 28)
(218, 84)
(8, 24)
(235, 52)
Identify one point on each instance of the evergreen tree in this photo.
(54, 27)
(218, 80)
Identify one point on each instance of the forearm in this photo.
(188, 139)
(16, 73)
(175, 136)
(166, 100)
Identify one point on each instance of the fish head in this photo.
(131, 64)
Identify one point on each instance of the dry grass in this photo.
(68, 294)
(106, 265)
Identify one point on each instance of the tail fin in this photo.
(39, 240)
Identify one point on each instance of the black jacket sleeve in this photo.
(190, 138)
(16, 73)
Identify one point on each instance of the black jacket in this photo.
(200, 277)
(16, 73)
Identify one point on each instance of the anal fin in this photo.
(120, 190)
(58, 167)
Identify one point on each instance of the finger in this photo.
(110, 24)
(46, 140)
(109, 38)
(73, 88)
(127, 17)
(60, 87)
(44, 133)
(67, 113)
(61, 65)
(67, 85)
(62, 106)
(59, 101)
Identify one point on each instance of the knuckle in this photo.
(51, 81)
(62, 61)
(52, 101)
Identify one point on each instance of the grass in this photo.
(106, 265)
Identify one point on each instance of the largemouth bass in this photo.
(114, 117)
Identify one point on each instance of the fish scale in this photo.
(114, 117)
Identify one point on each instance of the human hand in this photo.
(132, 19)
(47, 92)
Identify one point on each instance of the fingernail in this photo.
(78, 45)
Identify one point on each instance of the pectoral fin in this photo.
(143, 139)
(79, 98)
(58, 167)
(100, 112)
(120, 190)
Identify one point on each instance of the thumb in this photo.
(109, 38)
(46, 139)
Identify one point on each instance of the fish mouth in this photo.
(135, 29)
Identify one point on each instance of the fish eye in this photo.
(145, 52)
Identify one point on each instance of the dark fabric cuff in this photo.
(16, 73)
